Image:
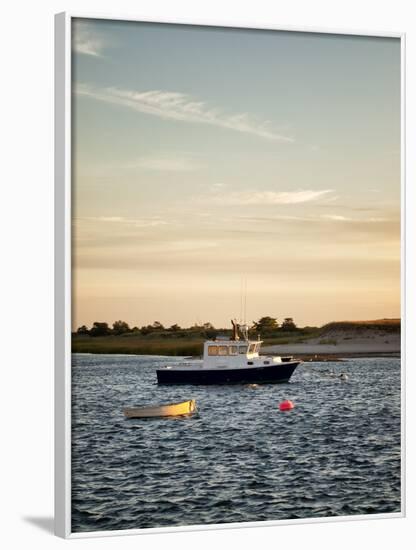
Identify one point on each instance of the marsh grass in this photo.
(137, 345)
(189, 342)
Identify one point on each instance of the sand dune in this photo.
(339, 341)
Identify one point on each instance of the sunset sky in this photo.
(205, 157)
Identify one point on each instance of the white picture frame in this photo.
(63, 297)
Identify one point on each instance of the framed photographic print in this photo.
(228, 276)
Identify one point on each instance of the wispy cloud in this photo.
(86, 41)
(323, 219)
(165, 164)
(136, 222)
(272, 197)
(111, 219)
(336, 218)
(182, 107)
(276, 219)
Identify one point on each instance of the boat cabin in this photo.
(221, 352)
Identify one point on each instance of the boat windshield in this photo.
(242, 349)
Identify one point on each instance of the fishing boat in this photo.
(171, 409)
(234, 360)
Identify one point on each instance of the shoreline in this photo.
(339, 357)
(337, 340)
(305, 357)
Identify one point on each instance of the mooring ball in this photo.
(286, 405)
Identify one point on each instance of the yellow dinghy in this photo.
(172, 409)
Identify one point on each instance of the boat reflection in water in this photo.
(234, 360)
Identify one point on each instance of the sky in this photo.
(207, 161)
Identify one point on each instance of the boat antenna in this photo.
(245, 301)
(241, 301)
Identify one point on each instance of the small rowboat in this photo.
(172, 409)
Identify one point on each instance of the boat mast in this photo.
(241, 326)
(244, 331)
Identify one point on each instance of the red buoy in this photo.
(286, 405)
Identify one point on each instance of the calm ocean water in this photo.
(239, 459)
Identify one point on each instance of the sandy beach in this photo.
(343, 342)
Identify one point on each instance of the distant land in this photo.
(380, 337)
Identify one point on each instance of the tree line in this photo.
(265, 326)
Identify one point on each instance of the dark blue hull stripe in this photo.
(271, 374)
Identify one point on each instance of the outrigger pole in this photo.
(235, 330)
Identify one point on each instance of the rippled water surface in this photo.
(239, 458)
